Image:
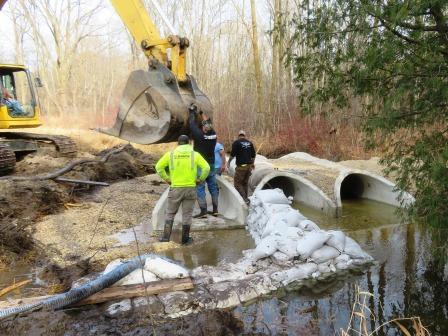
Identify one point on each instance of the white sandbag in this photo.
(326, 267)
(324, 254)
(293, 232)
(293, 217)
(342, 258)
(287, 246)
(337, 240)
(266, 247)
(310, 242)
(112, 265)
(137, 276)
(270, 210)
(343, 265)
(353, 249)
(299, 272)
(279, 257)
(308, 225)
(272, 196)
(275, 224)
(165, 269)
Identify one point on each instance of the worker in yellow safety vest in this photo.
(182, 164)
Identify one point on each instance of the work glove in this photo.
(192, 109)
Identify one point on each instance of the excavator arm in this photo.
(154, 105)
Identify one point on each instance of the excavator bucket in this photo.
(154, 106)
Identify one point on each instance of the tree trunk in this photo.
(257, 66)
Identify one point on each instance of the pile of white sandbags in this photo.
(155, 269)
(286, 236)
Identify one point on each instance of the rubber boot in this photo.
(186, 239)
(215, 207)
(167, 231)
(202, 214)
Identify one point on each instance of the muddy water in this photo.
(406, 280)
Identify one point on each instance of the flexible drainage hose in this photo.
(77, 294)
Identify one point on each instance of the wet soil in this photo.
(91, 322)
(24, 203)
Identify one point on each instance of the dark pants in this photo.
(241, 180)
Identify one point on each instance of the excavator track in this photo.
(64, 145)
(7, 160)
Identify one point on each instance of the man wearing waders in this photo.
(182, 164)
(244, 152)
(204, 143)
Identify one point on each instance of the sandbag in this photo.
(299, 272)
(280, 257)
(266, 247)
(337, 240)
(275, 224)
(287, 246)
(112, 265)
(272, 209)
(310, 242)
(293, 217)
(353, 249)
(137, 276)
(272, 196)
(308, 225)
(165, 269)
(342, 258)
(324, 254)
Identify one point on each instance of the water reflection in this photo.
(220, 245)
(405, 280)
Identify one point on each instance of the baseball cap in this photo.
(241, 132)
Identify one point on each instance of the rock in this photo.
(150, 304)
(246, 291)
(204, 298)
(225, 294)
(117, 308)
(261, 284)
(176, 302)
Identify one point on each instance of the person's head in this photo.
(183, 140)
(241, 134)
(207, 126)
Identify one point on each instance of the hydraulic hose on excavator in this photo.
(154, 105)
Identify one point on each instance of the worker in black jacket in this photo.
(244, 152)
(204, 143)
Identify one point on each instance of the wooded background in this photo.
(83, 54)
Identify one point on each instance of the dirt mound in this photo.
(21, 204)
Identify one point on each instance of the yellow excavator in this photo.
(154, 105)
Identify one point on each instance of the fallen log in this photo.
(131, 291)
(116, 293)
(67, 180)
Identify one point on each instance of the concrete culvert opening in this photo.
(282, 182)
(352, 187)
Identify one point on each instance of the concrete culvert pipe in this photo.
(300, 189)
(231, 206)
(353, 184)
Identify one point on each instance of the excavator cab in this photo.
(154, 104)
(18, 101)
